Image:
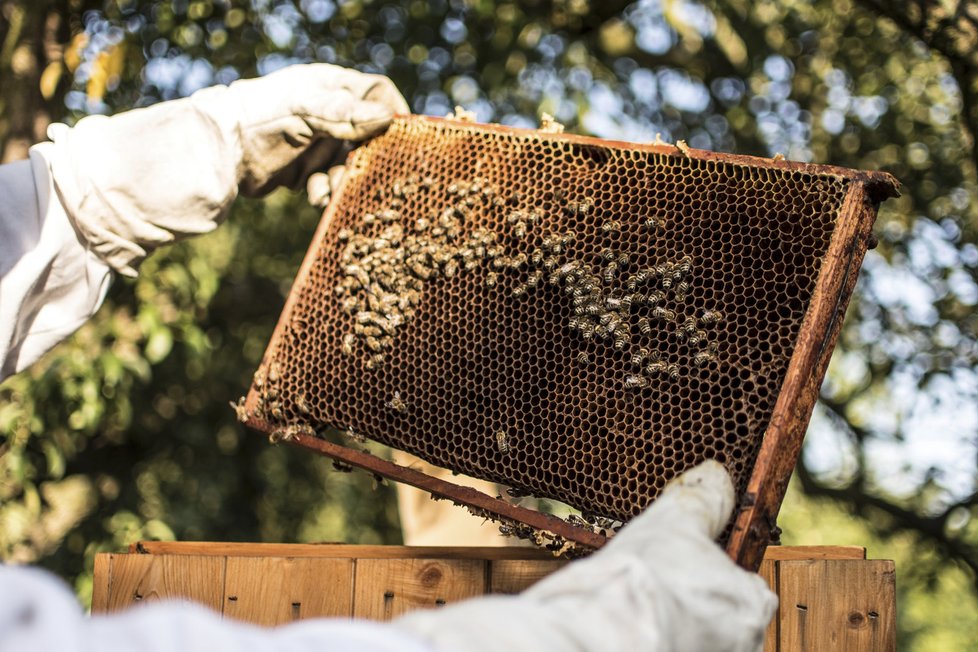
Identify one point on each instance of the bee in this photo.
(421, 271)
(397, 404)
(451, 268)
(369, 218)
(638, 357)
(636, 381)
(502, 441)
(710, 317)
(682, 267)
(453, 189)
(515, 217)
(689, 326)
(239, 410)
(550, 262)
(663, 314)
(666, 282)
(621, 340)
(355, 436)
(534, 278)
(357, 273)
(375, 361)
(653, 298)
(703, 358)
(662, 270)
(607, 254)
(644, 276)
(350, 305)
(536, 257)
(673, 372)
(342, 467)
(367, 331)
(583, 358)
(344, 235)
(610, 271)
(656, 367)
(645, 326)
(682, 147)
(347, 347)
(374, 344)
(422, 224)
(611, 226)
(491, 279)
(653, 223)
(520, 290)
(682, 290)
(697, 337)
(517, 261)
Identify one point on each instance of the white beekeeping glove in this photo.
(144, 178)
(661, 584)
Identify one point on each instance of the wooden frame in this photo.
(758, 508)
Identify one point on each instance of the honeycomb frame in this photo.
(514, 237)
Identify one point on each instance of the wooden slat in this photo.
(515, 575)
(769, 572)
(146, 578)
(337, 550)
(837, 605)
(386, 588)
(781, 553)
(101, 579)
(352, 551)
(275, 590)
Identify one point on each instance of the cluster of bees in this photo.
(383, 276)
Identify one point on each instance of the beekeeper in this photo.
(101, 196)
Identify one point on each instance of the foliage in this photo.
(132, 410)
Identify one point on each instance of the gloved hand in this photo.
(144, 178)
(661, 584)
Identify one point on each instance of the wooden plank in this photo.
(275, 590)
(386, 588)
(352, 551)
(147, 578)
(101, 578)
(515, 575)
(769, 572)
(837, 605)
(781, 553)
(335, 550)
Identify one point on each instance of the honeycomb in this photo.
(578, 319)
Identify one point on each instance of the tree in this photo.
(123, 432)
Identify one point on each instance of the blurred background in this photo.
(124, 432)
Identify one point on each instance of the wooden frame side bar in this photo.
(782, 441)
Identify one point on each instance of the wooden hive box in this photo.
(831, 597)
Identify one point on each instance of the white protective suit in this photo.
(105, 193)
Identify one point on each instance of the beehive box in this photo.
(578, 319)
